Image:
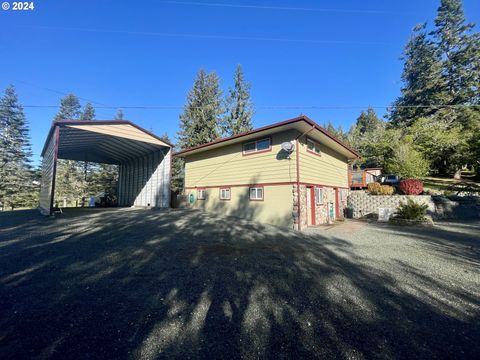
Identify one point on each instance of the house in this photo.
(292, 173)
(360, 178)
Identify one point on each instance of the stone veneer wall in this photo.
(321, 211)
(364, 204)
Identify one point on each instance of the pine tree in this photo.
(337, 132)
(423, 84)
(200, 118)
(459, 51)
(88, 113)
(87, 168)
(70, 177)
(369, 137)
(16, 175)
(239, 106)
(119, 115)
(69, 108)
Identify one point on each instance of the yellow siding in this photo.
(275, 209)
(228, 166)
(330, 168)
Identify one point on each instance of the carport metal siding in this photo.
(144, 160)
(152, 171)
(49, 164)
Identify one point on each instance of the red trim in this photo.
(259, 151)
(310, 151)
(312, 204)
(256, 187)
(239, 185)
(281, 123)
(220, 193)
(97, 122)
(263, 184)
(324, 185)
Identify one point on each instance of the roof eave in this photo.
(184, 153)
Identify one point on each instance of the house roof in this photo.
(301, 123)
(103, 141)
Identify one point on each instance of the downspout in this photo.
(297, 158)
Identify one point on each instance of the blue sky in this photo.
(298, 55)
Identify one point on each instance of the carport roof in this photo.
(103, 141)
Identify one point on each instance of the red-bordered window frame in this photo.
(229, 193)
(204, 194)
(250, 193)
(316, 144)
(252, 152)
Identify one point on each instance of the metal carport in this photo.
(144, 159)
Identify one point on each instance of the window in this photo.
(257, 146)
(343, 192)
(201, 194)
(313, 147)
(318, 196)
(225, 194)
(256, 193)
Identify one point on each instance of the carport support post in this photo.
(55, 158)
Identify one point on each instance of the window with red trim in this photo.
(257, 146)
(201, 194)
(313, 147)
(225, 194)
(256, 193)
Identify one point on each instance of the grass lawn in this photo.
(451, 186)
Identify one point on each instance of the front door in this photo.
(310, 206)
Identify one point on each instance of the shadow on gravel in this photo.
(153, 284)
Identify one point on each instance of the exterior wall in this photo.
(145, 181)
(48, 174)
(363, 204)
(322, 211)
(275, 208)
(229, 166)
(328, 168)
(277, 172)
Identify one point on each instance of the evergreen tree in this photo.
(69, 108)
(337, 132)
(369, 137)
(70, 176)
(119, 115)
(16, 175)
(165, 138)
(200, 118)
(459, 51)
(88, 113)
(239, 106)
(422, 80)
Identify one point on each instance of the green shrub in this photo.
(411, 210)
(377, 189)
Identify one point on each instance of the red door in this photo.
(337, 205)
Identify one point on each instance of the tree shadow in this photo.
(123, 283)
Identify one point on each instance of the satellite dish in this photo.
(288, 146)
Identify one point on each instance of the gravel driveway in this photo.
(140, 284)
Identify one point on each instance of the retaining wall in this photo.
(363, 204)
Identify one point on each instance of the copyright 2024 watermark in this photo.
(18, 6)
